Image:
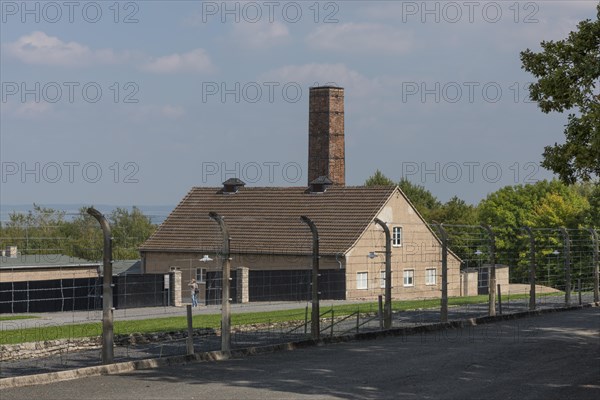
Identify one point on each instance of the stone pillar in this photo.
(175, 288)
(243, 277)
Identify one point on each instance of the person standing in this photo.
(195, 290)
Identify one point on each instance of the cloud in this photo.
(170, 111)
(27, 110)
(196, 60)
(141, 113)
(361, 38)
(262, 34)
(40, 49)
(320, 74)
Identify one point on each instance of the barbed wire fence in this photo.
(438, 273)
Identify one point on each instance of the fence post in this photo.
(315, 327)
(225, 306)
(499, 300)
(380, 311)
(305, 319)
(107, 292)
(190, 330)
(444, 302)
(387, 310)
(532, 267)
(492, 277)
(595, 266)
(332, 321)
(567, 245)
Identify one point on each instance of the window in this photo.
(361, 280)
(382, 279)
(200, 274)
(397, 236)
(409, 277)
(430, 276)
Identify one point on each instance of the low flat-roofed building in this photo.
(42, 267)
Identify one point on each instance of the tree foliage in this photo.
(543, 204)
(567, 72)
(47, 231)
(379, 179)
(129, 229)
(421, 198)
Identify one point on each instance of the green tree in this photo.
(379, 179)
(85, 236)
(421, 198)
(545, 204)
(45, 231)
(130, 229)
(512, 207)
(39, 231)
(593, 218)
(455, 212)
(567, 72)
(568, 208)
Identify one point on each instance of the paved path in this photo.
(75, 317)
(553, 356)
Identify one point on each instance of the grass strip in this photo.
(171, 324)
(17, 317)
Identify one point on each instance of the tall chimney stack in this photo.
(326, 154)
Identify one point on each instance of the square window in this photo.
(362, 280)
(200, 274)
(430, 276)
(409, 277)
(397, 236)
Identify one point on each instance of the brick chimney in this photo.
(326, 154)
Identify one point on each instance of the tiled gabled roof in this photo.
(267, 220)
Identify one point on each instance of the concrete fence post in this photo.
(499, 299)
(595, 264)
(380, 311)
(315, 327)
(532, 267)
(492, 277)
(107, 291)
(190, 330)
(387, 310)
(444, 301)
(225, 305)
(567, 246)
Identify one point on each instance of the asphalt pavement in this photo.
(552, 356)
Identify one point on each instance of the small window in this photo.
(409, 277)
(362, 280)
(200, 275)
(397, 236)
(430, 276)
(382, 279)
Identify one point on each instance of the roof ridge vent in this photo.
(320, 184)
(232, 185)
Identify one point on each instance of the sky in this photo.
(135, 102)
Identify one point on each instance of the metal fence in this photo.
(421, 274)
